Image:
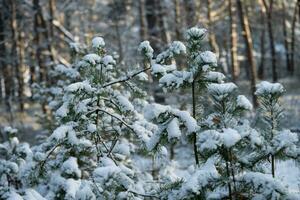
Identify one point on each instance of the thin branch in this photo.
(127, 78)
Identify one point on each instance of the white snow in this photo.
(265, 88)
(98, 42)
(195, 33)
(84, 85)
(146, 49)
(177, 47)
(70, 167)
(208, 57)
(173, 129)
(243, 102)
(230, 137)
(92, 58)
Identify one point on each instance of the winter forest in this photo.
(150, 99)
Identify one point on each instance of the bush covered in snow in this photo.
(112, 142)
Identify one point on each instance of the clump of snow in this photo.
(208, 58)
(173, 129)
(243, 103)
(146, 49)
(266, 88)
(142, 76)
(284, 139)
(108, 60)
(92, 59)
(195, 33)
(84, 85)
(92, 128)
(189, 122)
(98, 42)
(230, 137)
(209, 140)
(63, 110)
(125, 104)
(70, 167)
(215, 76)
(175, 79)
(177, 48)
(221, 90)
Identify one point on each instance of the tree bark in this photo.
(177, 19)
(212, 39)
(143, 22)
(249, 48)
(261, 68)
(271, 38)
(190, 13)
(286, 40)
(15, 50)
(293, 38)
(5, 68)
(235, 70)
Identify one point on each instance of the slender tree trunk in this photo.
(211, 37)
(261, 68)
(177, 19)
(143, 21)
(161, 15)
(21, 83)
(249, 48)
(286, 40)
(15, 53)
(293, 38)
(152, 23)
(190, 13)
(235, 70)
(271, 38)
(5, 68)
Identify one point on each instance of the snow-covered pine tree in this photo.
(278, 142)
(88, 154)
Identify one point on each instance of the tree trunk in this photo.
(190, 13)
(212, 39)
(286, 40)
(143, 22)
(161, 15)
(177, 19)
(261, 68)
(15, 53)
(152, 22)
(249, 48)
(235, 70)
(271, 38)
(293, 38)
(5, 68)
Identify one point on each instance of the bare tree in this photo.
(249, 48)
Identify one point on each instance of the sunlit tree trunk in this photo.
(235, 70)
(249, 48)
(212, 39)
